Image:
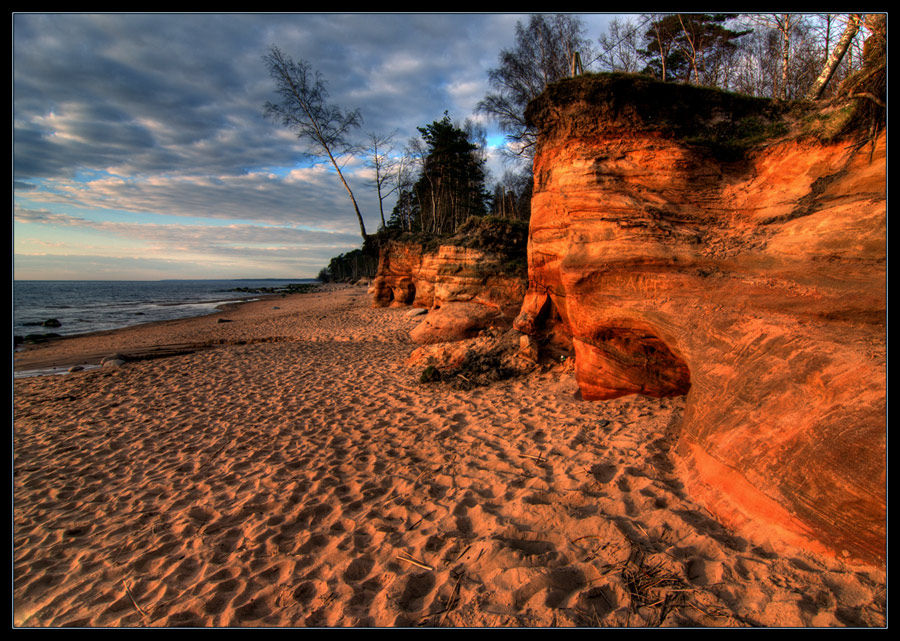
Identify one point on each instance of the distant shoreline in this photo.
(57, 355)
(86, 307)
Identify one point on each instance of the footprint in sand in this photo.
(417, 588)
(604, 472)
(556, 587)
(358, 569)
(704, 572)
(598, 602)
(307, 591)
(256, 609)
(218, 603)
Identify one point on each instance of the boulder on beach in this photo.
(489, 357)
(113, 360)
(39, 338)
(454, 322)
(528, 348)
(430, 374)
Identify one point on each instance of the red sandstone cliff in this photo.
(749, 275)
(466, 281)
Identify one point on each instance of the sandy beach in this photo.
(287, 469)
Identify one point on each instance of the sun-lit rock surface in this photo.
(467, 288)
(749, 274)
(454, 322)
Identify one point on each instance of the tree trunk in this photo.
(663, 50)
(380, 199)
(785, 54)
(362, 225)
(662, 59)
(577, 68)
(835, 58)
(692, 54)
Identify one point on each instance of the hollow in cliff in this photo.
(690, 241)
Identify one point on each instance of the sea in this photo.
(90, 306)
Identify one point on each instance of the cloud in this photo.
(173, 250)
(134, 114)
(195, 235)
(183, 94)
(311, 197)
(79, 267)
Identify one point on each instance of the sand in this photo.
(297, 474)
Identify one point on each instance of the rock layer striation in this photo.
(469, 283)
(676, 250)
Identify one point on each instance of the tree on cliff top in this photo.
(384, 165)
(688, 47)
(451, 185)
(303, 108)
(542, 54)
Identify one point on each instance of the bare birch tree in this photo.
(403, 180)
(785, 24)
(619, 46)
(850, 31)
(379, 159)
(303, 108)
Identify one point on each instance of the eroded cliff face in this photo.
(466, 289)
(754, 283)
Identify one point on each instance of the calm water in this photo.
(89, 306)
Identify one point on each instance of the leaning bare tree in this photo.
(831, 64)
(303, 108)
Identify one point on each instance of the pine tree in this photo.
(451, 186)
(688, 47)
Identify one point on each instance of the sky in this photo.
(141, 150)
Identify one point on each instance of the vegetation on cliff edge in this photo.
(506, 240)
(723, 123)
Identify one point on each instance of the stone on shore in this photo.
(454, 322)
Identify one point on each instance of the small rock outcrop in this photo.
(455, 322)
(688, 241)
(471, 281)
(113, 360)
